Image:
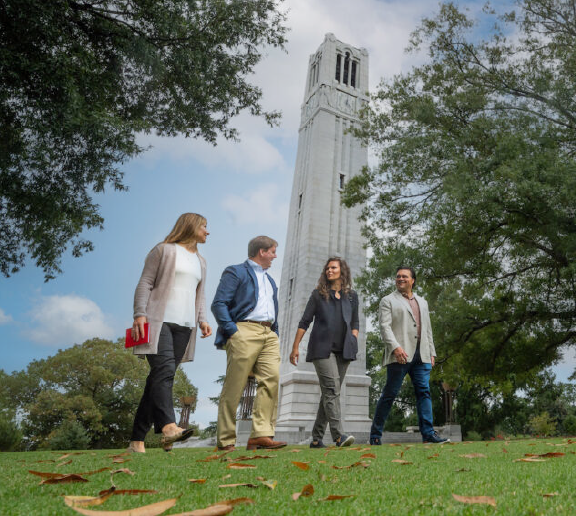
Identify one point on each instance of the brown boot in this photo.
(264, 443)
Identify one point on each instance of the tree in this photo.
(80, 79)
(476, 188)
(97, 384)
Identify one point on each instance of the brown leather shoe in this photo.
(228, 447)
(264, 443)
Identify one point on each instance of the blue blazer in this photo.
(236, 296)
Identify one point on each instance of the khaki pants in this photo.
(252, 349)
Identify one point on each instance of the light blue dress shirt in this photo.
(264, 310)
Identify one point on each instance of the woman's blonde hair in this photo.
(185, 230)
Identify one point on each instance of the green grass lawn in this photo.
(423, 486)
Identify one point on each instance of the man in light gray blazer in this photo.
(409, 349)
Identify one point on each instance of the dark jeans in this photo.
(156, 405)
(420, 376)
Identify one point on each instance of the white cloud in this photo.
(66, 320)
(255, 206)
(5, 318)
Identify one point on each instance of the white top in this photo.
(264, 310)
(181, 306)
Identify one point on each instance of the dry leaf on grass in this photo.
(529, 459)
(238, 485)
(504, 450)
(250, 457)
(474, 456)
(146, 510)
(394, 444)
(462, 470)
(400, 461)
(335, 497)
(307, 490)
(551, 454)
(132, 491)
(211, 510)
(270, 484)
(122, 470)
(322, 462)
(487, 500)
(118, 455)
(549, 495)
(197, 480)
(64, 479)
(434, 456)
(295, 450)
(355, 465)
(368, 456)
(89, 501)
(236, 465)
(304, 466)
(120, 460)
(214, 457)
(65, 463)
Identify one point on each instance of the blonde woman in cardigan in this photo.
(170, 298)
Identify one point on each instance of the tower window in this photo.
(300, 201)
(342, 178)
(346, 66)
(338, 66)
(290, 287)
(353, 75)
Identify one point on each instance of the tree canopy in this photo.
(80, 79)
(476, 187)
(97, 384)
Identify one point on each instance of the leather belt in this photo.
(267, 324)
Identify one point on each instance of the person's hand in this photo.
(206, 330)
(432, 361)
(294, 356)
(400, 354)
(138, 327)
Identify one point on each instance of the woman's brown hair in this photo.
(186, 229)
(345, 278)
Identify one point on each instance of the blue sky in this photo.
(242, 188)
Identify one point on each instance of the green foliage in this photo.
(543, 424)
(70, 435)
(209, 431)
(97, 383)
(570, 425)
(473, 436)
(476, 188)
(10, 434)
(79, 81)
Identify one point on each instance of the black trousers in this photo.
(156, 406)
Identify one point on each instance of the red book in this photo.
(130, 342)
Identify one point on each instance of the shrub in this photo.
(473, 436)
(570, 425)
(71, 435)
(10, 434)
(543, 424)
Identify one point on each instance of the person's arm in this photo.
(224, 295)
(388, 337)
(201, 302)
(429, 335)
(305, 321)
(143, 291)
(355, 322)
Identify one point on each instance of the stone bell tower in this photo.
(320, 226)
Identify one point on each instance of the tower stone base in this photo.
(299, 398)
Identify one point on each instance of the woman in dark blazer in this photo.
(333, 344)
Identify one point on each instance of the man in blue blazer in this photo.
(246, 309)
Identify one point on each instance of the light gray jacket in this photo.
(398, 328)
(152, 292)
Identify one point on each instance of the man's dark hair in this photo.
(412, 272)
(260, 242)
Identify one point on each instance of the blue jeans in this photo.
(420, 376)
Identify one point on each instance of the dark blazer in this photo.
(320, 345)
(236, 296)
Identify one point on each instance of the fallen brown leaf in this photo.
(400, 461)
(226, 476)
(549, 495)
(214, 457)
(368, 456)
(434, 456)
(304, 466)
(504, 450)
(120, 460)
(474, 456)
(552, 454)
(322, 462)
(461, 470)
(335, 497)
(122, 470)
(211, 510)
(235, 465)
(295, 450)
(65, 463)
(487, 500)
(39, 461)
(529, 459)
(250, 457)
(132, 491)
(394, 444)
(45, 474)
(64, 479)
(89, 501)
(356, 464)
(270, 484)
(197, 480)
(238, 485)
(307, 490)
(125, 454)
(146, 510)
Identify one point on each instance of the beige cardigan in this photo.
(398, 328)
(152, 292)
